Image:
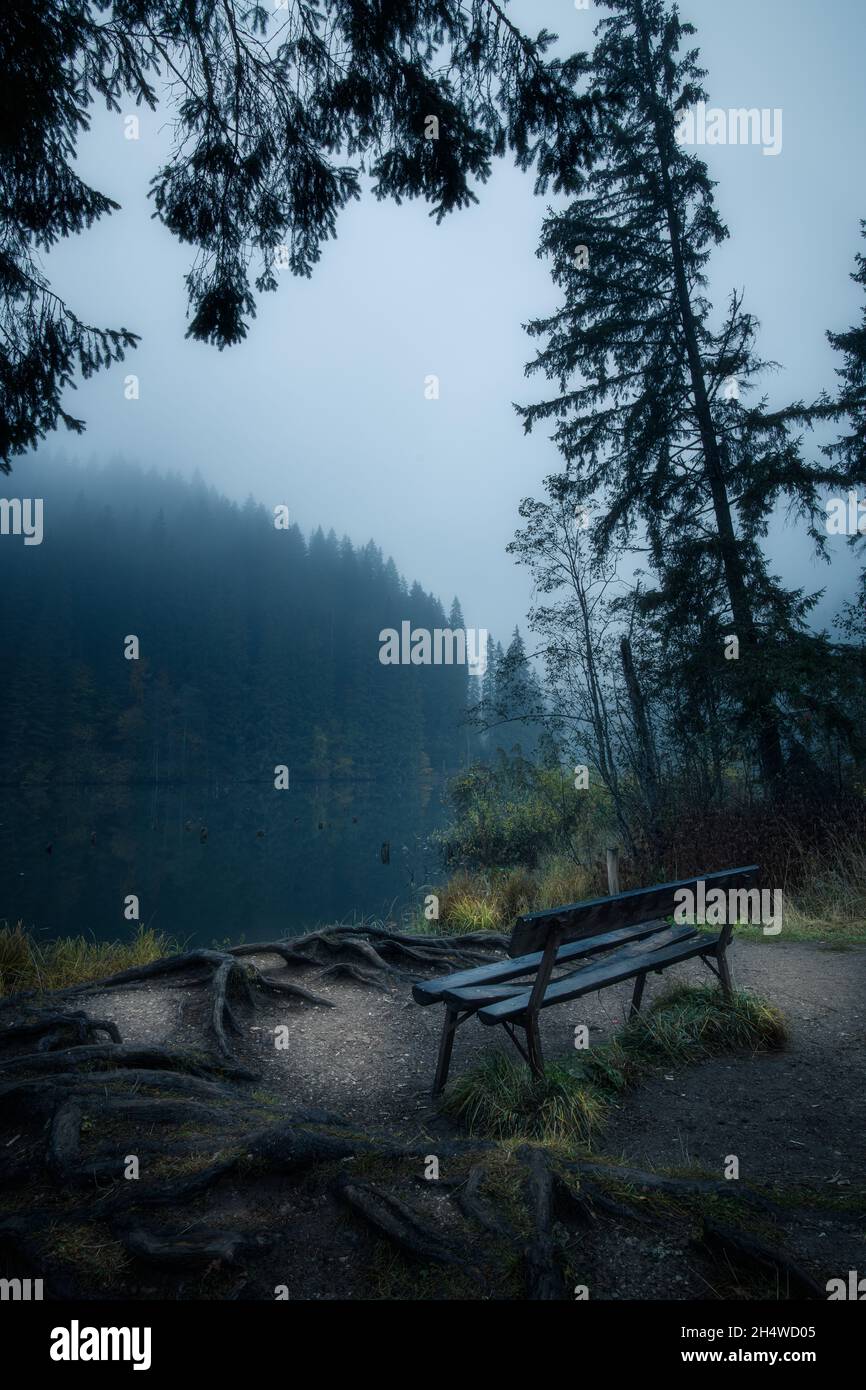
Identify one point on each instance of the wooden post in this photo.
(613, 871)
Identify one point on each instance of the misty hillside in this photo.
(257, 647)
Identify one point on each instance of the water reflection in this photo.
(214, 863)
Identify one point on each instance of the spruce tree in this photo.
(849, 449)
(278, 114)
(652, 416)
(850, 402)
(455, 706)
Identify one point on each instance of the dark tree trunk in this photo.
(758, 700)
(647, 757)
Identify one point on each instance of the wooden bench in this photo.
(611, 939)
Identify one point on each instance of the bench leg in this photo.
(533, 1047)
(446, 1043)
(725, 974)
(640, 981)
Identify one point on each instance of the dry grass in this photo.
(823, 886)
(490, 900)
(830, 903)
(26, 963)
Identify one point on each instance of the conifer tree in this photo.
(652, 415)
(850, 448)
(278, 113)
(457, 698)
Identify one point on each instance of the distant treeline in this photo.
(257, 647)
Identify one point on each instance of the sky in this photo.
(323, 408)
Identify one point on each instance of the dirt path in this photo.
(325, 1211)
(796, 1115)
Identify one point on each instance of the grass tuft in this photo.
(690, 1021)
(491, 899)
(500, 1099)
(26, 963)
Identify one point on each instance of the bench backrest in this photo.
(535, 930)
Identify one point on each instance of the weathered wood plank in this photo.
(605, 973)
(433, 991)
(475, 995)
(471, 994)
(579, 920)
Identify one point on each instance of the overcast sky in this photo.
(323, 406)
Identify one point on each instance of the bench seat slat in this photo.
(604, 973)
(471, 994)
(478, 995)
(433, 991)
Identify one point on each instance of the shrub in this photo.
(513, 812)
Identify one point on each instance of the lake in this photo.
(215, 864)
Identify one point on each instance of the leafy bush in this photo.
(514, 812)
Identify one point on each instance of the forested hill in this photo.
(257, 647)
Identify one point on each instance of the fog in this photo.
(323, 406)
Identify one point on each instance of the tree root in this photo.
(344, 970)
(58, 1030)
(366, 954)
(272, 986)
(742, 1249)
(544, 1274)
(227, 976)
(467, 1196)
(673, 1186)
(190, 1249)
(93, 1056)
(393, 1219)
(44, 1092)
(379, 948)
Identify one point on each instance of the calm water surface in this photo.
(214, 864)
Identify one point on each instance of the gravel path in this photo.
(795, 1115)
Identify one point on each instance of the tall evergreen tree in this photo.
(648, 416)
(457, 687)
(850, 448)
(269, 103)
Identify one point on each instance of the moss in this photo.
(92, 1250)
(184, 1165)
